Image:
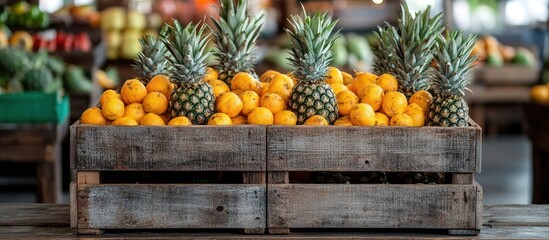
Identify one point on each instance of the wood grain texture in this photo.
(516, 215)
(394, 149)
(372, 206)
(164, 148)
(22, 214)
(137, 206)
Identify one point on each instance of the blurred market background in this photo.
(95, 42)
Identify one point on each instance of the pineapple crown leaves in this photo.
(454, 62)
(406, 50)
(235, 35)
(187, 48)
(312, 40)
(151, 61)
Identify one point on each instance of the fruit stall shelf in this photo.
(537, 116)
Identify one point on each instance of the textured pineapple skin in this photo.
(308, 99)
(449, 112)
(194, 102)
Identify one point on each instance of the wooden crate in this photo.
(97, 204)
(456, 206)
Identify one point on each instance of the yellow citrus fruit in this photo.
(160, 83)
(180, 121)
(361, 79)
(343, 121)
(239, 120)
(334, 76)
(285, 117)
(229, 103)
(264, 89)
(387, 82)
(347, 78)
(244, 81)
(273, 102)
(156, 103)
(422, 98)
(108, 94)
(268, 76)
(220, 119)
(211, 74)
(151, 119)
(124, 121)
(363, 114)
(133, 91)
(401, 119)
(261, 116)
(250, 100)
(219, 87)
(316, 120)
(93, 116)
(338, 87)
(540, 93)
(282, 85)
(416, 113)
(135, 111)
(346, 100)
(113, 109)
(381, 119)
(393, 103)
(371, 94)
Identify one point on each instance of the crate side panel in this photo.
(372, 206)
(398, 149)
(193, 148)
(142, 206)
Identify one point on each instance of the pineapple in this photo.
(310, 55)
(405, 51)
(151, 61)
(235, 36)
(451, 76)
(191, 97)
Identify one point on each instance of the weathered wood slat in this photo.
(516, 215)
(136, 206)
(424, 149)
(192, 148)
(372, 206)
(22, 214)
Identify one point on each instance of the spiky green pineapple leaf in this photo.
(152, 60)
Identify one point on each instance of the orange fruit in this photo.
(401, 119)
(93, 116)
(268, 75)
(155, 102)
(334, 76)
(422, 98)
(229, 103)
(316, 120)
(244, 81)
(261, 116)
(124, 121)
(250, 100)
(220, 119)
(219, 87)
(362, 114)
(151, 119)
(387, 82)
(381, 119)
(416, 113)
(540, 93)
(282, 85)
(160, 83)
(285, 117)
(393, 103)
(211, 74)
(347, 78)
(113, 109)
(180, 121)
(264, 89)
(133, 91)
(361, 79)
(371, 94)
(346, 100)
(135, 111)
(343, 121)
(108, 94)
(273, 102)
(239, 120)
(338, 87)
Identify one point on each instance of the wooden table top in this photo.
(51, 221)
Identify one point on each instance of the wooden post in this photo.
(48, 175)
(277, 178)
(254, 178)
(83, 178)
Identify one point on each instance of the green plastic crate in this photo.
(34, 107)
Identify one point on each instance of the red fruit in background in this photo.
(64, 41)
(52, 47)
(82, 42)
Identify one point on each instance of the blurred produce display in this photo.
(491, 51)
(540, 93)
(22, 15)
